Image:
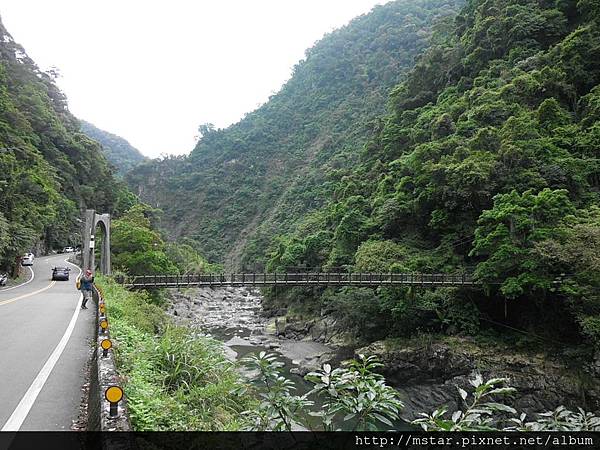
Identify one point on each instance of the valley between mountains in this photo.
(430, 137)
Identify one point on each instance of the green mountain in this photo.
(257, 178)
(49, 170)
(120, 153)
(488, 160)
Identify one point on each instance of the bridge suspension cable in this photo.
(299, 279)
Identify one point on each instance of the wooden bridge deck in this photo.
(298, 279)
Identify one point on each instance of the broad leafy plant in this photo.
(480, 410)
(358, 393)
(279, 409)
(354, 395)
(484, 412)
(561, 419)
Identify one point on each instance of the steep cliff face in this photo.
(257, 178)
(428, 374)
(48, 169)
(118, 151)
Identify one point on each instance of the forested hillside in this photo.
(487, 161)
(49, 170)
(257, 178)
(120, 153)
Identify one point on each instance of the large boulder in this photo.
(427, 375)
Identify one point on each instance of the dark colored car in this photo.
(3, 279)
(60, 273)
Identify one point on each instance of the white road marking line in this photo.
(20, 413)
(74, 265)
(22, 284)
(10, 300)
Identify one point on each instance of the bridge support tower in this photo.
(92, 220)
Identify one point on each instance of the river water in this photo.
(233, 316)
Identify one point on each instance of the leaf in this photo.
(463, 393)
(444, 424)
(383, 419)
(500, 407)
(439, 412)
(472, 417)
(456, 416)
(476, 382)
(312, 377)
(502, 391)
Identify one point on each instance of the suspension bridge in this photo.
(298, 279)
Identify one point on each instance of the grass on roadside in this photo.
(173, 379)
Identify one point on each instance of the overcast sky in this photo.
(152, 71)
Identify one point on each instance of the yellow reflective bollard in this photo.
(113, 395)
(106, 345)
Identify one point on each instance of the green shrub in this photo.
(354, 396)
(360, 311)
(174, 380)
(590, 326)
(485, 410)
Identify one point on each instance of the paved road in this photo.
(44, 345)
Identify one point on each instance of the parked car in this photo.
(3, 279)
(68, 250)
(27, 260)
(60, 273)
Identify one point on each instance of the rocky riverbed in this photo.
(233, 315)
(426, 372)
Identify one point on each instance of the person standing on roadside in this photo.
(87, 284)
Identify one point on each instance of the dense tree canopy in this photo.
(49, 171)
(486, 162)
(139, 249)
(489, 160)
(119, 153)
(257, 178)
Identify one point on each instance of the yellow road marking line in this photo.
(20, 413)
(10, 300)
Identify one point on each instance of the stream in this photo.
(232, 316)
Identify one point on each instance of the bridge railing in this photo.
(306, 278)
